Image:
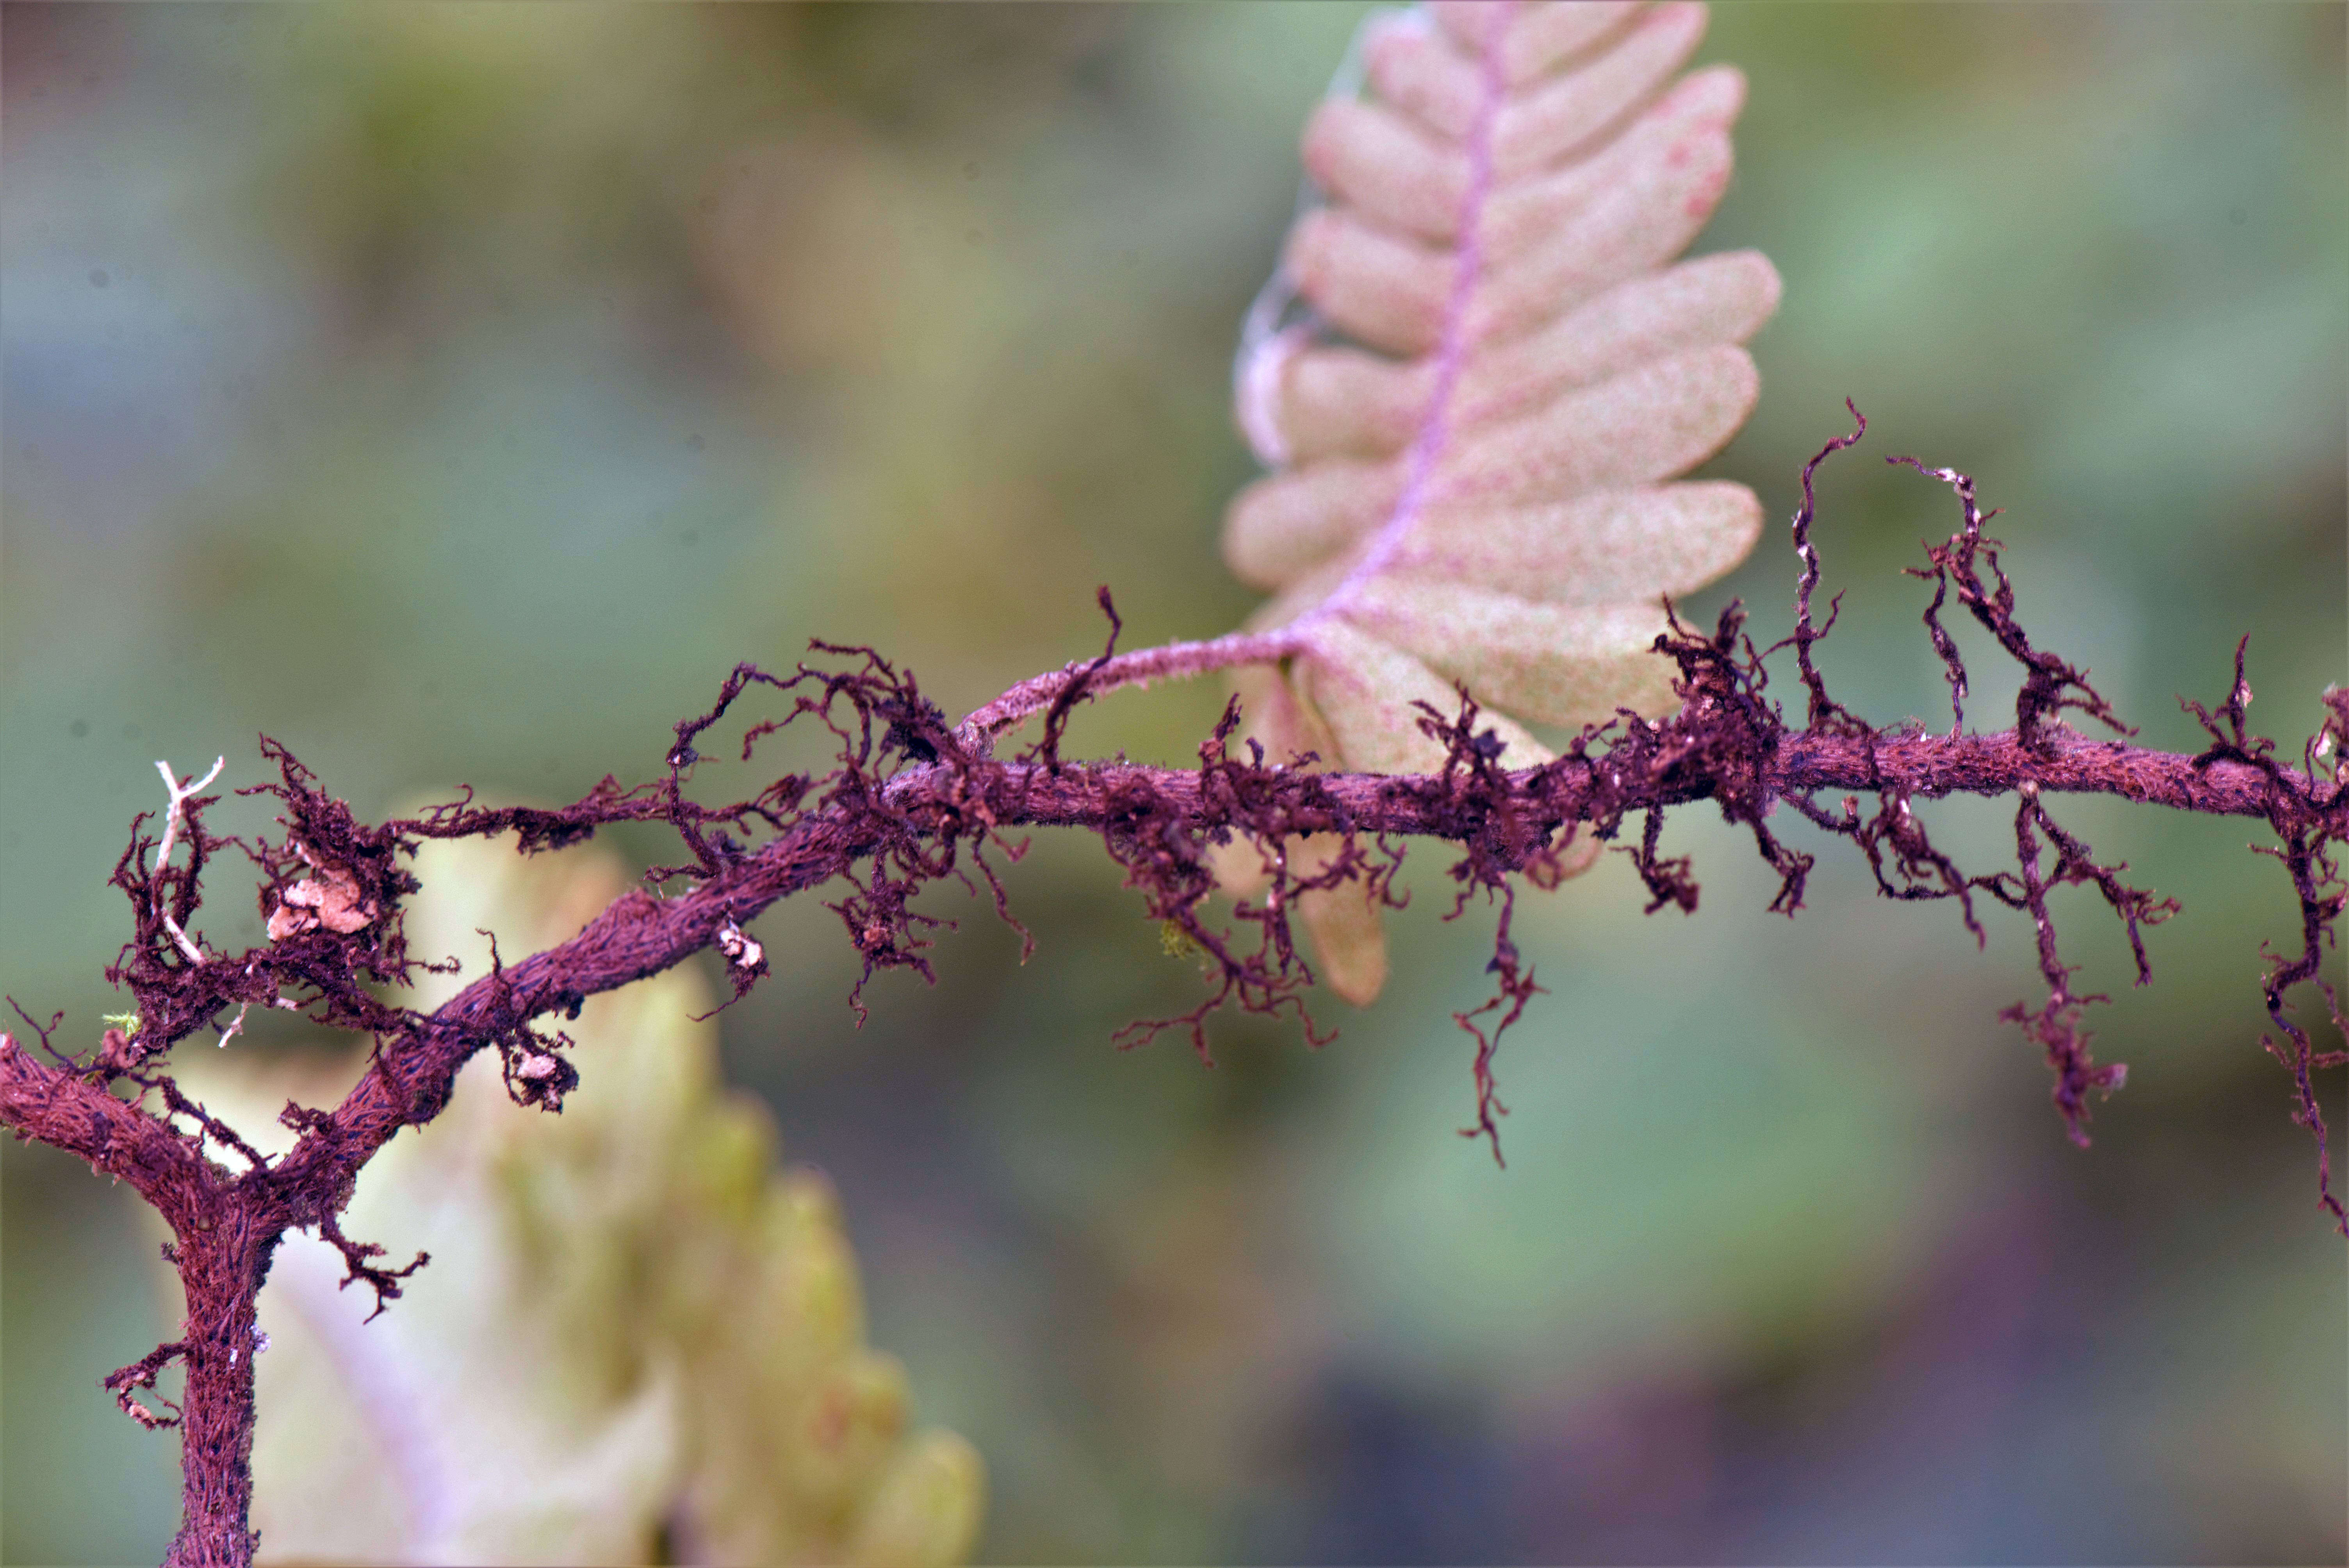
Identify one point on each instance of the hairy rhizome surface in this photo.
(1475, 376)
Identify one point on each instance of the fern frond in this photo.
(1473, 374)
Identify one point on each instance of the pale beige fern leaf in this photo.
(1474, 374)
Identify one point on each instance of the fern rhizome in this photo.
(1473, 378)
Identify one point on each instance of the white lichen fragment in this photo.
(740, 951)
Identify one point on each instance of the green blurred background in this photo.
(456, 392)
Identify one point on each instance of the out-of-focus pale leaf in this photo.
(1644, 424)
(635, 1333)
(1337, 400)
(1347, 931)
(1573, 108)
(1557, 664)
(1617, 547)
(926, 1509)
(1365, 689)
(1536, 38)
(1280, 527)
(1496, 368)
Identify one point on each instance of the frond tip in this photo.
(1474, 374)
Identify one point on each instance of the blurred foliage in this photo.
(634, 1341)
(458, 392)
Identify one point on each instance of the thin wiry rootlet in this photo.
(915, 800)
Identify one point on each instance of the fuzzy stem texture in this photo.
(220, 1269)
(915, 800)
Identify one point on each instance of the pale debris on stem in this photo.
(172, 818)
(330, 897)
(740, 951)
(179, 796)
